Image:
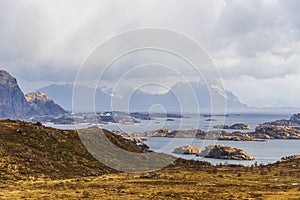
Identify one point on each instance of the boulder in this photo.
(225, 152)
(240, 126)
(187, 150)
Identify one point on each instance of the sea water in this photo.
(263, 152)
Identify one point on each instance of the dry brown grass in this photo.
(174, 182)
(25, 172)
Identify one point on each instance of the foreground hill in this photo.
(38, 162)
(32, 150)
(14, 104)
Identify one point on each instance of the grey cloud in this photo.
(48, 40)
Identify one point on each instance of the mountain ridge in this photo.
(141, 100)
(15, 105)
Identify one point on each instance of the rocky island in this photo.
(224, 152)
(239, 126)
(187, 150)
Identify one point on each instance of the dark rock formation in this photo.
(13, 103)
(211, 120)
(187, 150)
(240, 126)
(221, 126)
(295, 118)
(225, 152)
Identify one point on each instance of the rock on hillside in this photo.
(225, 152)
(43, 105)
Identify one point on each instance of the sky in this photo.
(254, 44)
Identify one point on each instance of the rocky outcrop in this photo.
(187, 134)
(293, 121)
(240, 136)
(13, 103)
(137, 140)
(225, 152)
(292, 157)
(187, 150)
(42, 105)
(276, 132)
(238, 126)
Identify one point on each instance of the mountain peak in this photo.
(37, 96)
(6, 78)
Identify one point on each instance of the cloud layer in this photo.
(255, 44)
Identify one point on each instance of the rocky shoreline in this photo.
(262, 133)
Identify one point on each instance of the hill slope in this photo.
(30, 149)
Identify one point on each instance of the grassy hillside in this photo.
(39, 162)
(32, 150)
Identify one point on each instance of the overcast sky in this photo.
(254, 44)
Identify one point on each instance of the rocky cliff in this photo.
(12, 100)
(14, 104)
(41, 104)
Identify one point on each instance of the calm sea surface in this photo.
(263, 152)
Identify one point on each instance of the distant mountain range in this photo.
(14, 104)
(182, 96)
